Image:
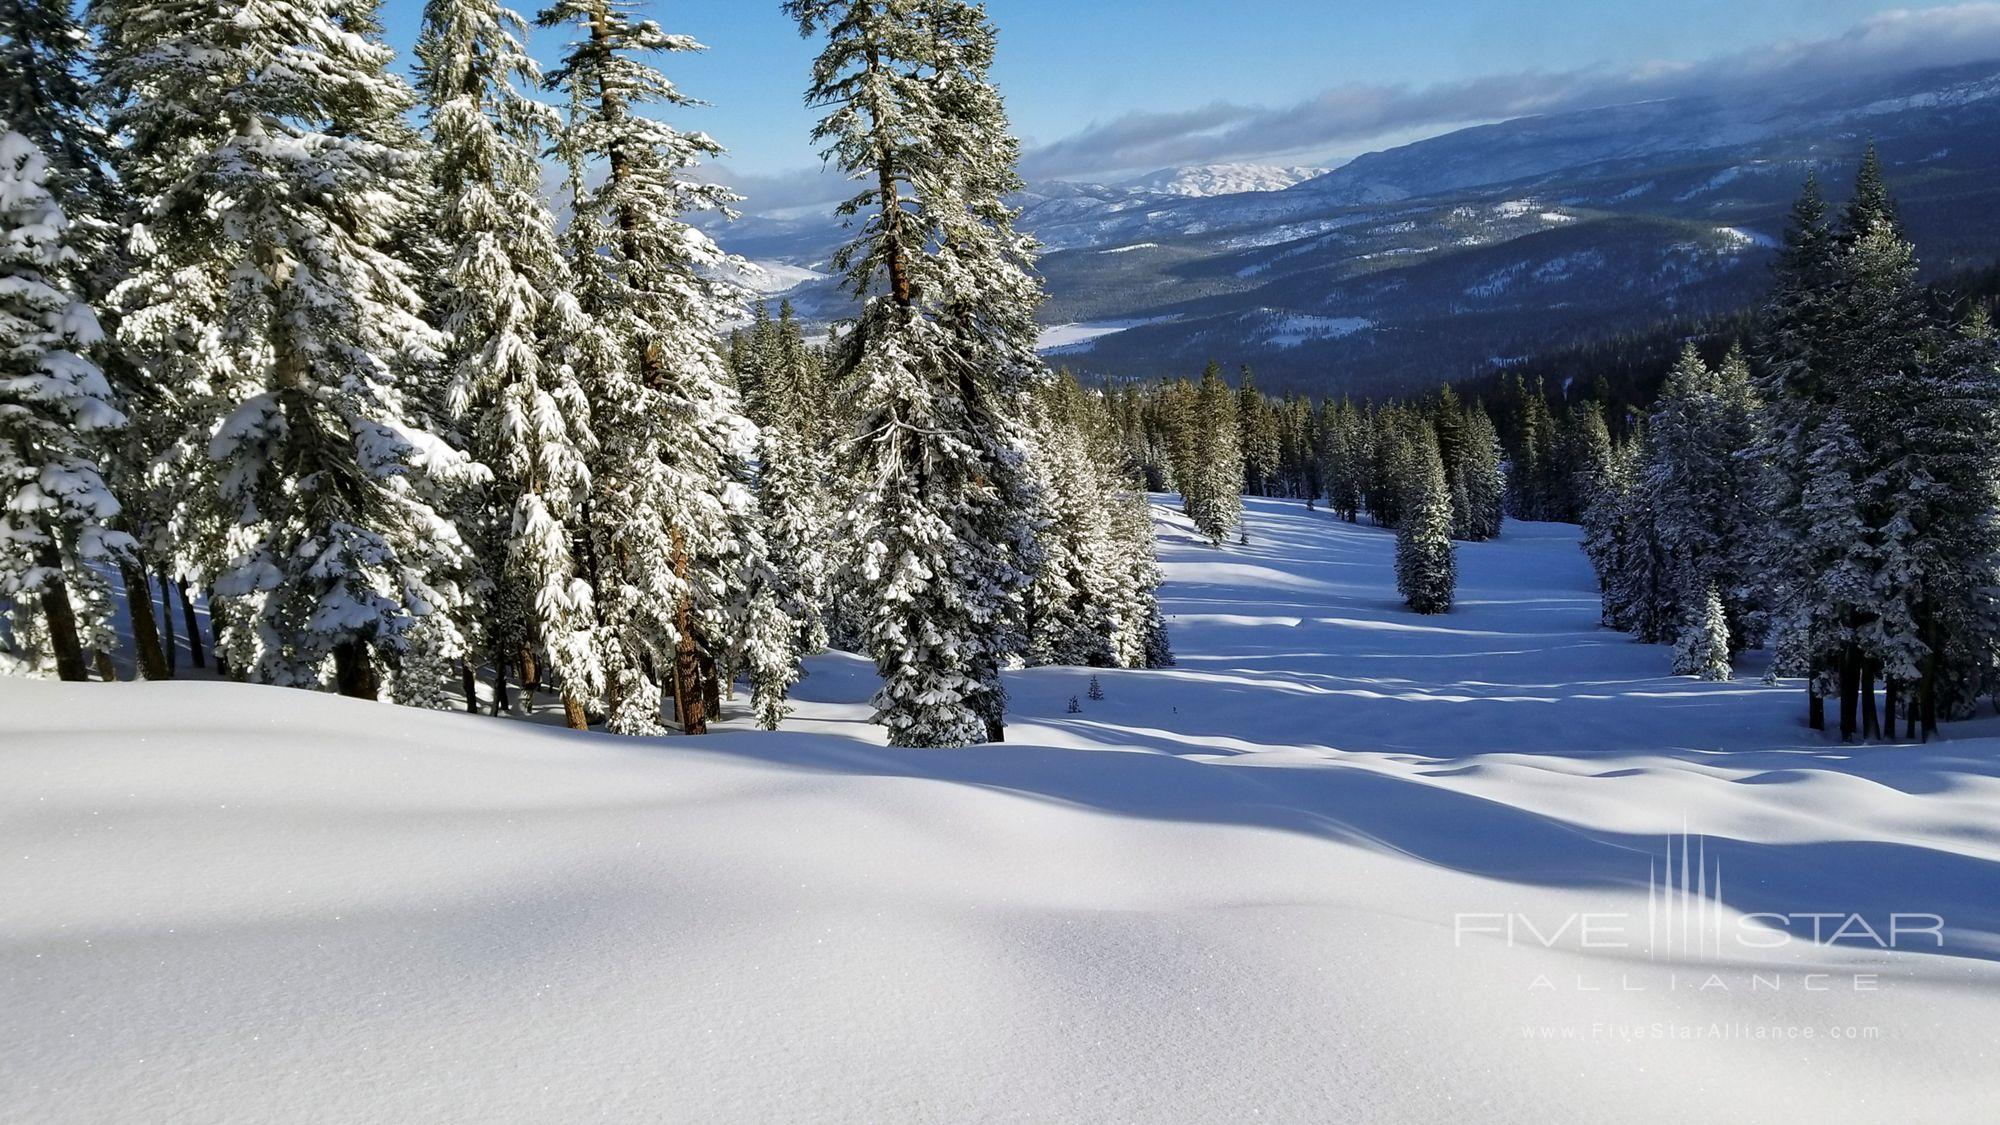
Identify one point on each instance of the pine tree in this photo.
(508, 311)
(283, 339)
(1703, 488)
(1485, 482)
(48, 99)
(938, 362)
(1213, 486)
(1795, 380)
(1343, 458)
(1426, 561)
(55, 511)
(673, 542)
(1257, 437)
(1533, 460)
(1702, 649)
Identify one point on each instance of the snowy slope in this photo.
(1269, 882)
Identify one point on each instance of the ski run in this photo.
(1342, 863)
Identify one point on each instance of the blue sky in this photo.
(1172, 69)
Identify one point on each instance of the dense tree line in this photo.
(1830, 493)
(308, 344)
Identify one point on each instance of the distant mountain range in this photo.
(1440, 259)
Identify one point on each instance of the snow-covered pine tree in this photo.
(1794, 383)
(1175, 406)
(1257, 437)
(1215, 462)
(1094, 600)
(1702, 649)
(1533, 461)
(1338, 461)
(1624, 546)
(1924, 486)
(939, 359)
(507, 308)
(55, 511)
(1485, 482)
(49, 98)
(1702, 482)
(1069, 601)
(280, 336)
(1426, 560)
(672, 543)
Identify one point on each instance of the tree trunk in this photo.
(1815, 706)
(195, 652)
(688, 690)
(106, 670)
(468, 681)
(60, 618)
(1850, 692)
(574, 714)
(1871, 719)
(1929, 699)
(167, 622)
(354, 673)
(711, 685)
(1892, 697)
(503, 702)
(150, 661)
(531, 676)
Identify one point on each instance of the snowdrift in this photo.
(1341, 864)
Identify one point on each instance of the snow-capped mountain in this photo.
(1202, 181)
(1424, 262)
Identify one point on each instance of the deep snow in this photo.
(1274, 881)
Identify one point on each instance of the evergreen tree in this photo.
(1702, 649)
(1257, 437)
(1480, 474)
(939, 359)
(1701, 484)
(673, 541)
(1426, 562)
(1341, 458)
(1795, 381)
(283, 338)
(55, 511)
(509, 313)
(1214, 475)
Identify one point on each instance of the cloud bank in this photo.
(1355, 114)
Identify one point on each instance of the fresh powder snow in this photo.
(1342, 863)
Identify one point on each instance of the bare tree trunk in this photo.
(60, 618)
(1815, 707)
(1871, 719)
(688, 690)
(1892, 697)
(531, 676)
(167, 622)
(151, 662)
(711, 681)
(193, 627)
(468, 682)
(502, 701)
(354, 672)
(1850, 692)
(106, 670)
(1930, 707)
(574, 713)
